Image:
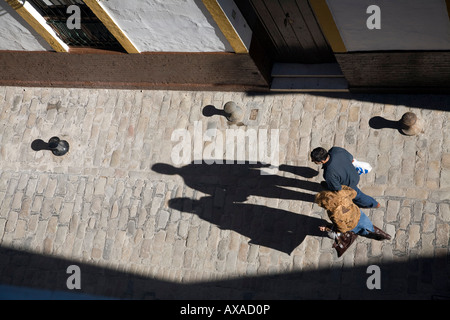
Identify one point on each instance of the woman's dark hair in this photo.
(319, 154)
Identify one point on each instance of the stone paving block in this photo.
(11, 222)
(376, 248)
(420, 175)
(429, 223)
(404, 217)
(444, 178)
(417, 193)
(413, 235)
(66, 213)
(418, 211)
(162, 219)
(17, 201)
(48, 246)
(50, 188)
(445, 162)
(374, 191)
(400, 241)
(442, 235)
(434, 169)
(61, 234)
(444, 212)
(20, 229)
(32, 225)
(430, 207)
(393, 207)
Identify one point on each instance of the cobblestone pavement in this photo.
(138, 229)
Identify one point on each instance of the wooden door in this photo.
(291, 30)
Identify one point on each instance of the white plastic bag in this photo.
(362, 167)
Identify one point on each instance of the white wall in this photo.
(152, 25)
(16, 34)
(167, 25)
(405, 24)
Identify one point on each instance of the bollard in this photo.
(57, 146)
(234, 113)
(410, 124)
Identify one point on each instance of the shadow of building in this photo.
(26, 275)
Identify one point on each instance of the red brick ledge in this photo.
(177, 71)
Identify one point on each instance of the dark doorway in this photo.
(287, 30)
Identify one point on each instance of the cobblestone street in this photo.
(113, 206)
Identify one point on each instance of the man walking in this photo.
(338, 170)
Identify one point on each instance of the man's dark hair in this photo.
(319, 154)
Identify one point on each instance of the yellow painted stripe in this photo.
(36, 25)
(225, 26)
(328, 25)
(109, 23)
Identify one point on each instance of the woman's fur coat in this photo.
(340, 208)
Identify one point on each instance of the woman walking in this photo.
(346, 216)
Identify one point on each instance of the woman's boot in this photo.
(378, 234)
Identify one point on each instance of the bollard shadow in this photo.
(211, 110)
(227, 186)
(265, 226)
(38, 145)
(382, 123)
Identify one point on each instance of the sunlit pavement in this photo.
(126, 205)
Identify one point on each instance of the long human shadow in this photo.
(265, 226)
(239, 181)
(305, 172)
(229, 185)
